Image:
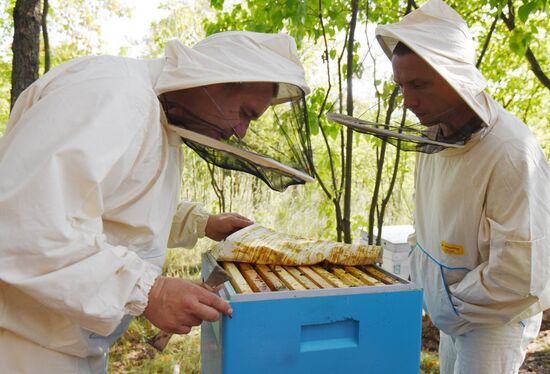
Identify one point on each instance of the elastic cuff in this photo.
(202, 216)
(140, 294)
(188, 225)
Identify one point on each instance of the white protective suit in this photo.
(89, 185)
(482, 215)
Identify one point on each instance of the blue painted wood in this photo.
(360, 333)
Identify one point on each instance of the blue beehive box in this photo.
(370, 329)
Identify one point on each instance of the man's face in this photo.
(220, 110)
(425, 92)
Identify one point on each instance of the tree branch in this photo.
(535, 67)
(533, 62)
(379, 167)
(488, 39)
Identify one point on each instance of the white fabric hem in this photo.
(139, 297)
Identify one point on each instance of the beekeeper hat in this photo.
(240, 56)
(235, 56)
(439, 35)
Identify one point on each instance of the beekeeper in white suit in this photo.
(482, 216)
(89, 188)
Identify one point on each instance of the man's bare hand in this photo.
(176, 305)
(220, 226)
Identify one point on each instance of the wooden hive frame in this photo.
(249, 278)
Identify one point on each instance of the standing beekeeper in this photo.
(90, 175)
(482, 217)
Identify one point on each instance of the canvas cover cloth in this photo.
(89, 197)
(482, 216)
(260, 245)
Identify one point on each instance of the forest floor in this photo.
(537, 360)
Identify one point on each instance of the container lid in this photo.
(396, 234)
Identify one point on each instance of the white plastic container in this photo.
(395, 258)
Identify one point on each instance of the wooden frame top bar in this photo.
(248, 278)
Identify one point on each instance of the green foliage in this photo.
(530, 7)
(184, 22)
(296, 17)
(74, 30)
(526, 16)
(316, 99)
(74, 26)
(316, 111)
(5, 79)
(510, 79)
(6, 29)
(6, 34)
(528, 24)
(519, 40)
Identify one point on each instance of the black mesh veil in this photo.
(407, 138)
(276, 147)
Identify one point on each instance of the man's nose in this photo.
(242, 127)
(410, 99)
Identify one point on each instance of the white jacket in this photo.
(483, 212)
(89, 186)
(482, 228)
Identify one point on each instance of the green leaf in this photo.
(217, 4)
(526, 9)
(519, 41)
(332, 130)
(496, 3)
(313, 123)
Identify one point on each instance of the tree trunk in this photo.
(45, 37)
(349, 132)
(26, 46)
(378, 182)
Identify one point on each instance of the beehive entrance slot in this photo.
(328, 336)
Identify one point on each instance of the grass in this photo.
(429, 362)
(131, 354)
